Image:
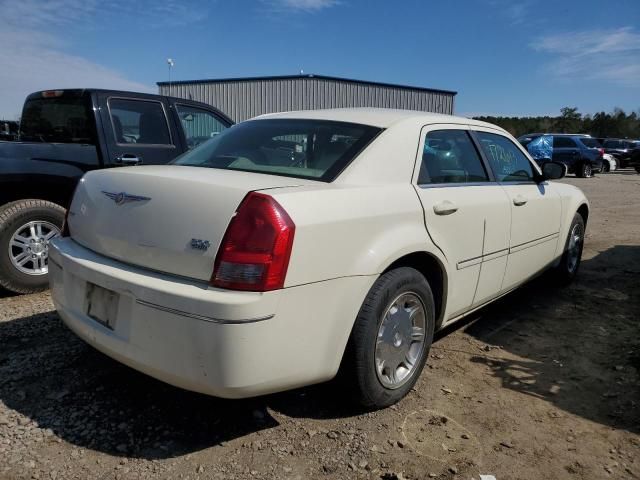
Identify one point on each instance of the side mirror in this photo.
(553, 170)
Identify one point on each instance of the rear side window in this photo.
(314, 149)
(564, 142)
(612, 144)
(198, 125)
(58, 120)
(449, 156)
(139, 121)
(590, 142)
(507, 161)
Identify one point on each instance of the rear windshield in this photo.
(590, 142)
(313, 149)
(58, 120)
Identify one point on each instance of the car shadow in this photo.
(61, 384)
(576, 347)
(6, 293)
(566, 343)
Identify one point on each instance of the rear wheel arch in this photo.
(435, 273)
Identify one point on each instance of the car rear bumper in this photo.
(213, 341)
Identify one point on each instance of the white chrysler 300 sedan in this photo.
(294, 245)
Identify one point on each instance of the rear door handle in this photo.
(445, 207)
(519, 200)
(128, 159)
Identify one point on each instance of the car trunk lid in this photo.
(167, 218)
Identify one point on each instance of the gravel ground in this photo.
(542, 384)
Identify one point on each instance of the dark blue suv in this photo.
(580, 153)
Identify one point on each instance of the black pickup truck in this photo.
(63, 134)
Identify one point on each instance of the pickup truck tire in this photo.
(390, 340)
(35, 221)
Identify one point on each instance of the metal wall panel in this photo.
(243, 99)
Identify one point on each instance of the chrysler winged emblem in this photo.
(123, 197)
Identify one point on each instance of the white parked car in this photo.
(296, 244)
(609, 163)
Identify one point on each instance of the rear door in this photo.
(466, 213)
(565, 150)
(137, 130)
(535, 207)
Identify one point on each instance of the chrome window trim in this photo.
(458, 184)
(166, 120)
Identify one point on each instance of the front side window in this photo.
(449, 156)
(198, 125)
(302, 148)
(507, 161)
(139, 121)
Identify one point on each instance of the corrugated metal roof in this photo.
(246, 98)
(297, 77)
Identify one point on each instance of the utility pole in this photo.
(170, 64)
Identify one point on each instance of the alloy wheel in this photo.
(401, 340)
(29, 247)
(575, 247)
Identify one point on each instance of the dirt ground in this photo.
(543, 384)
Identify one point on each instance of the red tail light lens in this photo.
(601, 151)
(255, 251)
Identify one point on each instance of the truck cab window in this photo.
(58, 120)
(139, 121)
(198, 125)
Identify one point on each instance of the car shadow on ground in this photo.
(566, 342)
(576, 347)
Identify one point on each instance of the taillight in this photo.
(52, 93)
(601, 150)
(255, 251)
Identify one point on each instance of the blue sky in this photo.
(512, 57)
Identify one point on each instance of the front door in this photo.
(137, 131)
(535, 208)
(466, 214)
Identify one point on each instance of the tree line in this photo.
(617, 124)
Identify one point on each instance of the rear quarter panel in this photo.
(348, 231)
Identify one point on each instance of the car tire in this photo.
(383, 332)
(569, 264)
(16, 220)
(606, 168)
(584, 170)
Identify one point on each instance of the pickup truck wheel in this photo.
(26, 227)
(566, 271)
(391, 338)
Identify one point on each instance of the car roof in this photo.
(583, 135)
(376, 117)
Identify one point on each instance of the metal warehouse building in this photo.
(243, 98)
